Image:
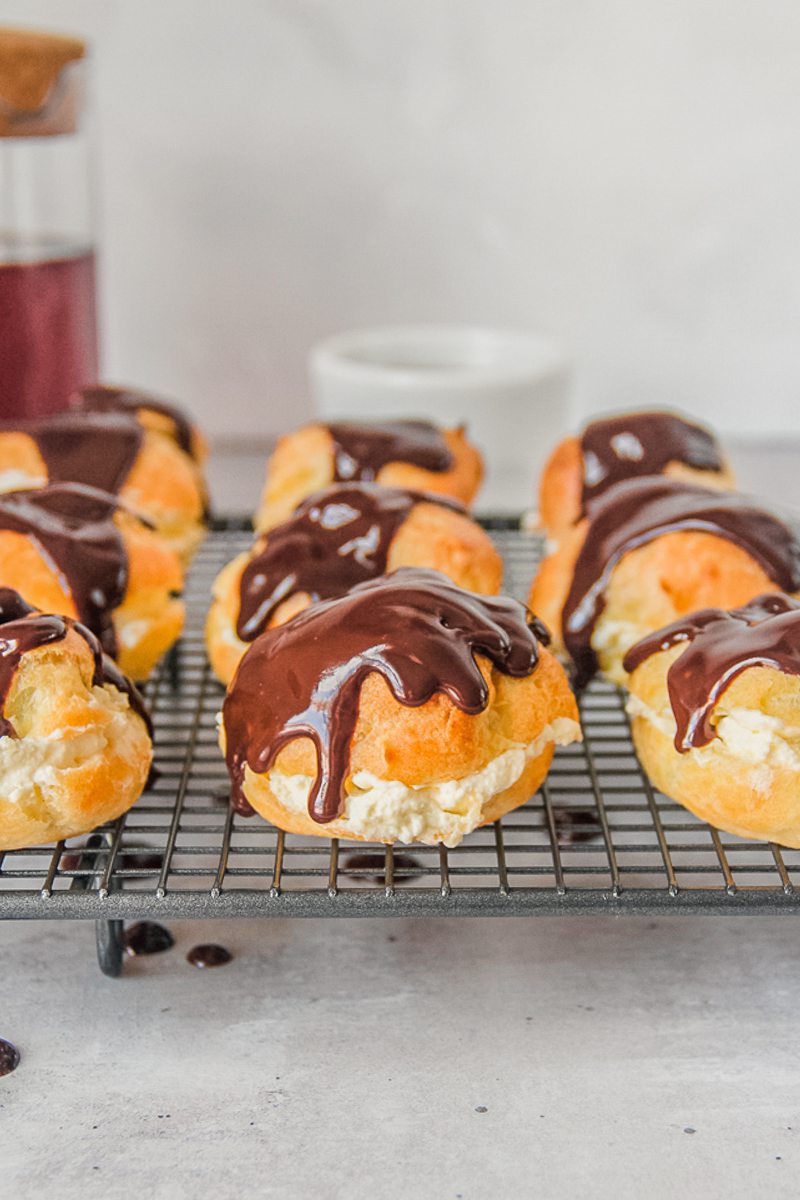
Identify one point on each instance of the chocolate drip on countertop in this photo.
(763, 633)
(147, 937)
(209, 954)
(22, 628)
(98, 449)
(9, 1057)
(361, 450)
(74, 526)
(642, 443)
(414, 627)
(334, 540)
(102, 399)
(635, 512)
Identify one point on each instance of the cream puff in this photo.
(612, 449)
(649, 551)
(338, 538)
(408, 454)
(406, 710)
(71, 549)
(75, 743)
(715, 708)
(112, 452)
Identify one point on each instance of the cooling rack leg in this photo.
(109, 947)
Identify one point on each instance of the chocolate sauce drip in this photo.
(9, 1057)
(98, 449)
(361, 450)
(643, 443)
(115, 400)
(147, 937)
(74, 527)
(209, 955)
(414, 627)
(637, 511)
(575, 826)
(23, 629)
(334, 540)
(763, 633)
(372, 865)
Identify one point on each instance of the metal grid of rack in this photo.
(596, 838)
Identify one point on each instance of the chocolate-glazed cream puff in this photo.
(113, 452)
(612, 449)
(75, 742)
(71, 549)
(339, 538)
(649, 551)
(151, 413)
(715, 708)
(407, 710)
(408, 454)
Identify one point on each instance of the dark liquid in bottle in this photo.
(48, 325)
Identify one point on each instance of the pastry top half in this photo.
(408, 454)
(338, 538)
(612, 449)
(367, 704)
(71, 549)
(114, 453)
(651, 550)
(75, 743)
(150, 411)
(715, 702)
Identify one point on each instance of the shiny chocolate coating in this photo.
(104, 399)
(23, 629)
(74, 527)
(719, 646)
(636, 512)
(98, 449)
(362, 450)
(335, 540)
(642, 443)
(414, 627)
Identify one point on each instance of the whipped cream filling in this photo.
(14, 480)
(388, 809)
(754, 737)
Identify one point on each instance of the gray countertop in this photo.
(478, 1058)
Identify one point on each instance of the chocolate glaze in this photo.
(98, 449)
(209, 955)
(9, 1057)
(74, 527)
(642, 443)
(23, 629)
(720, 645)
(414, 627)
(336, 539)
(147, 937)
(115, 399)
(361, 450)
(637, 511)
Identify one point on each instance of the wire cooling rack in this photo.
(596, 838)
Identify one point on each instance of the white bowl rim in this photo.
(498, 355)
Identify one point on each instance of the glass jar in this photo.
(48, 322)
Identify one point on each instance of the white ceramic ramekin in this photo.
(510, 389)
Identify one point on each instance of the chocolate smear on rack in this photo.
(9, 1057)
(147, 937)
(414, 627)
(575, 826)
(636, 512)
(104, 399)
(74, 527)
(719, 645)
(22, 629)
(642, 443)
(372, 865)
(362, 450)
(95, 448)
(209, 955)
(335, 540)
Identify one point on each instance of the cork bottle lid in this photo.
(37, 96)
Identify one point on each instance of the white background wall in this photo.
(624, 174)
